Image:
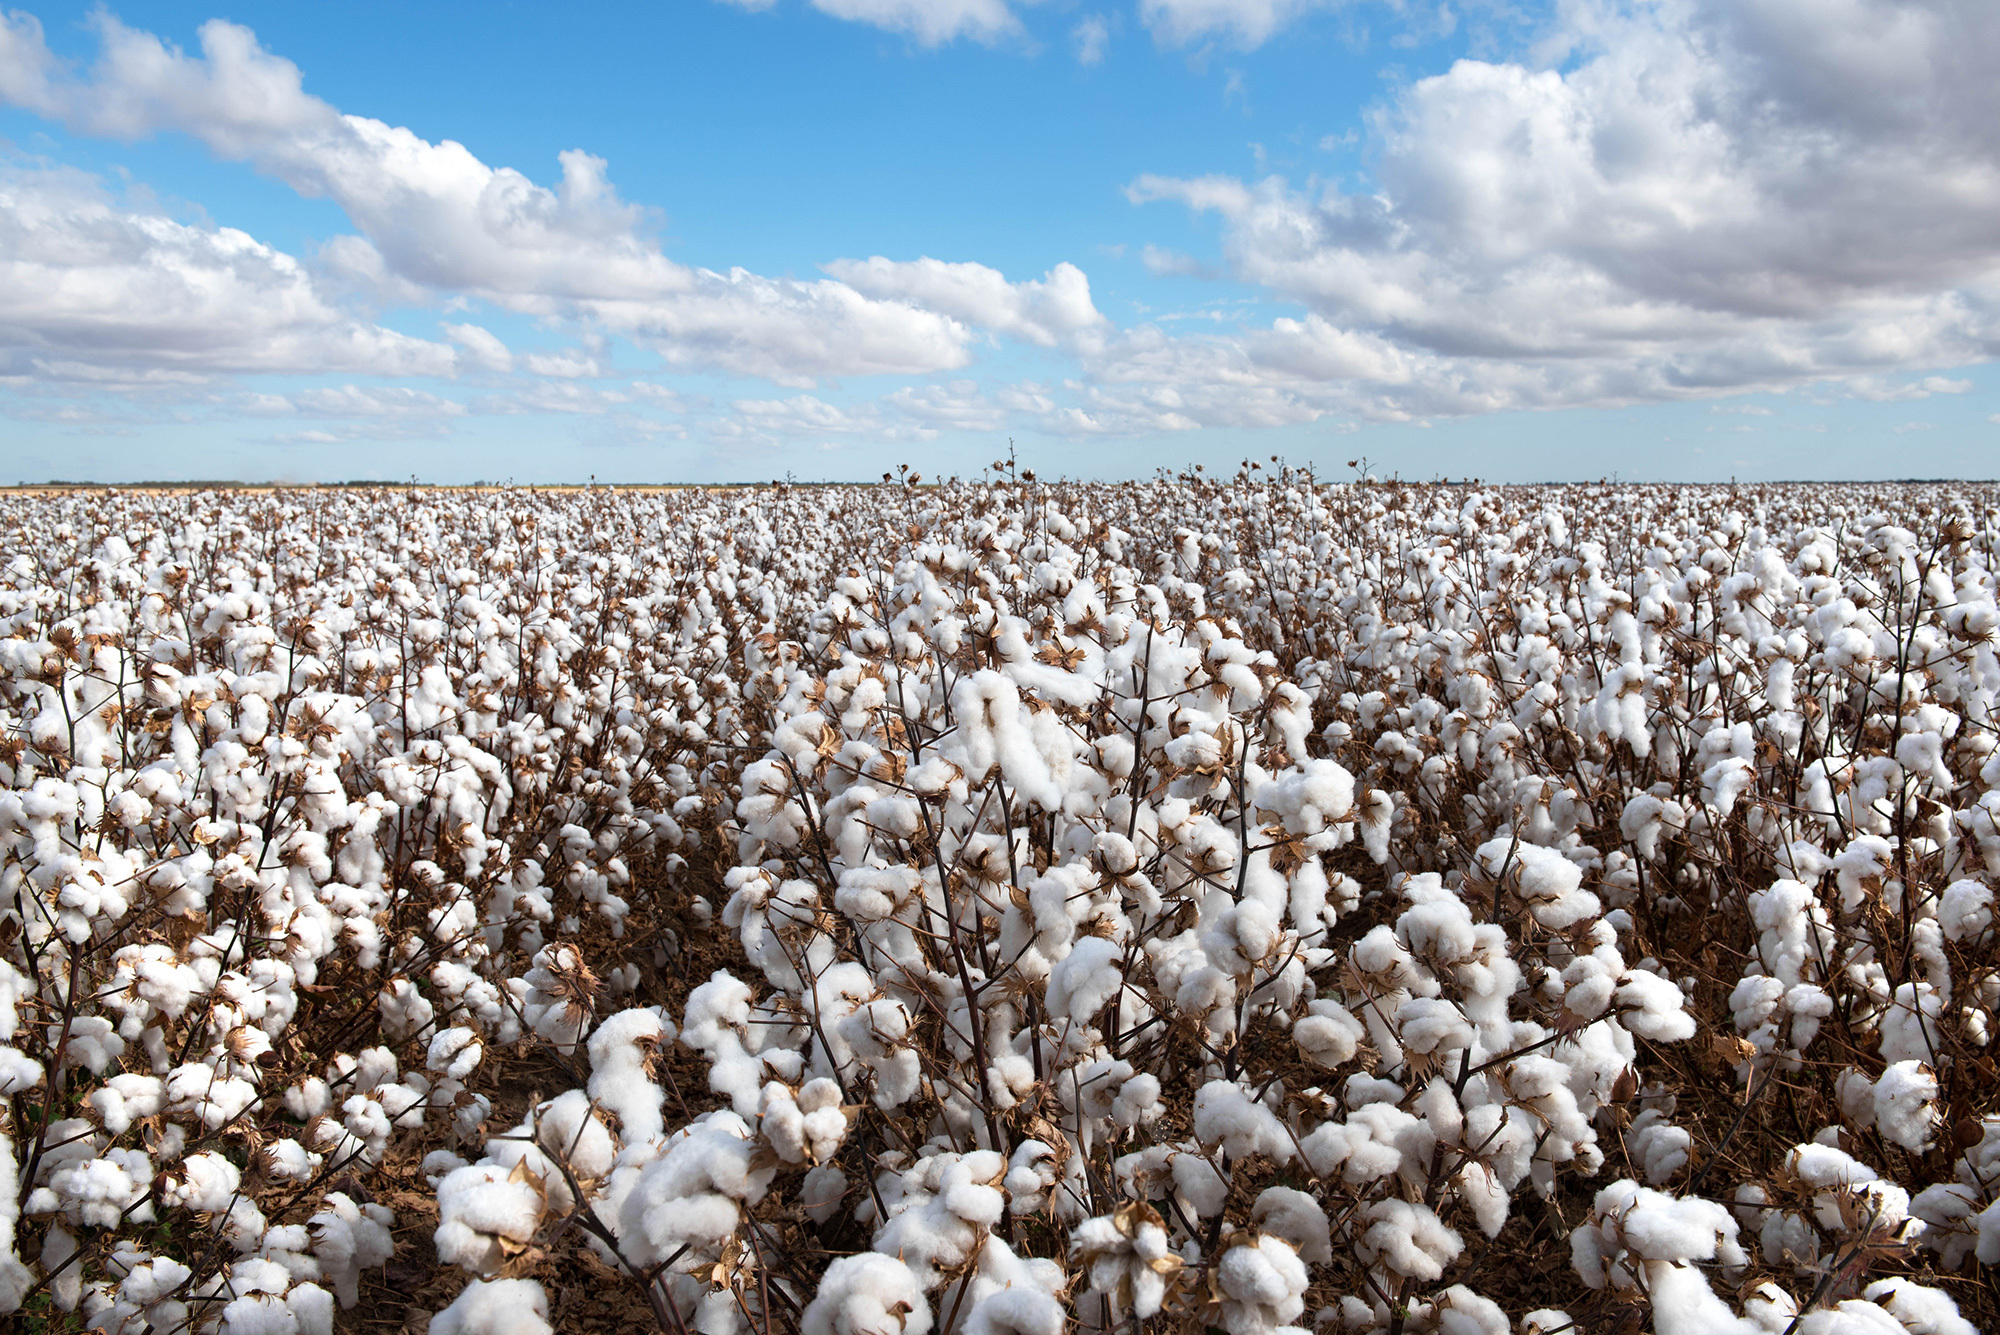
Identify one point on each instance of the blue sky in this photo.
(714, 240)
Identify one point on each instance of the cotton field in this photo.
(1002, 908)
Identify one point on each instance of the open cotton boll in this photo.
(204, 1181)
(1017, 1310)
(1263, 1286)
(15, 1277)
(716, 1024)
(126, 1098)
(349, 1238)
(1905, 1100)
(1298, 1219)
(1831, 1173)
(1548, 882)
(92, 1043)
(1630, 1224)
(867, 1294)
(561, 995)
(1375, 1141)
(1965, 910)
(496, 1307)
(1460, 1311)
(1408, 1239)
(18, 1071)
(1684, 1304)
(1328, 1034)
(693, 1193)
(622, 1051)
(806, 1127)
(1910, 1023)
(1919, 1309)
(1658, 1148)
(950, 1202)
(1128, 1257)
(1033, 1169)
(486, 1211)
(1432, 1025)
(1652, 1008)
(568, 1129)
(1085, 980)
(454, 1053)
(1226, 1115)
(215, 1100)
(822, 1191)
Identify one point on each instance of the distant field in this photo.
(1237, 903)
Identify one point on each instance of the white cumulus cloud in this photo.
(1704, 197)
(1049, 311)
(438, 217)
(92, 291)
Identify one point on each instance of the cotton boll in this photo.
(1408, 1240)
(1198, 1184)
(215, 1100)
(621, 1054)
(1965, 910)
(693, 1193)
(1298, 1219)
(18, 1071)
(405, 1011)
(1226, 1115)
(1085, 980)
(1137, 1102)
(1684, 1304)
(1017, 1310)
(496, 1307)
(1328, 1035)
(1361, 1089)
(803, 1128)
(1034, 1168)
(484, 1212)
(1911, 1024)
(1905, 1108)
(951, 1201)
(1263, 1286)
(1657, 1147)
(716, 1024)
(1918, 1309)
(1478, 1187)
(1547, 882)
(454, 1053)
(311, 1309)
(204, 1181)
(568, 1129)
(867, 1294)
(1947, 1210)
(822, 1191)
(1127, 1257)
(1631, 1224)
(126, 1098)
(92, 1043)
(1460, 1311)
(1652, 1008)
(1988, 1224)
(1434, 1025)
(561, 996)
(350, 1238)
